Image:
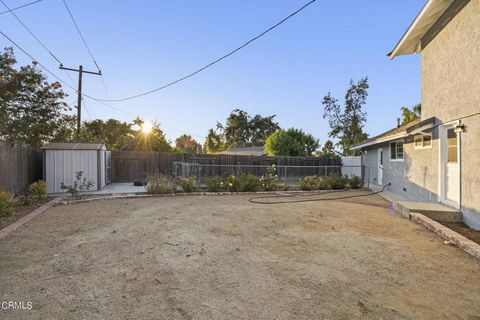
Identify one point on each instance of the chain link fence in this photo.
(286, 174)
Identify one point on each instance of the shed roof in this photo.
(73, 146)
(414, 127)
(245, 151)
(411, 41)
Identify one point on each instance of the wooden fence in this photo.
(128, 166)
(19, 166)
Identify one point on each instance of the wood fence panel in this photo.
(128, 166)
(19, 167)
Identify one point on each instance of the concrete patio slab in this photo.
(436, 211)
(112, 188)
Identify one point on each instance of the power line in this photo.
(81, 35)
(214, 62)
(22, 6)
(31, 32)
(75, 89)
(36, 61)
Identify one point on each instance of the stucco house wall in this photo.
(451, 89)
(413, 177)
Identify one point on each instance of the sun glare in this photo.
(147, 127)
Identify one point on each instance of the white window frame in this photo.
(390, 150)
(422, 136)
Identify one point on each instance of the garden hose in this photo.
(257, 200)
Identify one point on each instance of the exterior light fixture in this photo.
(460, 128)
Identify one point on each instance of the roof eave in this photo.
(410, 42)
(381, 140)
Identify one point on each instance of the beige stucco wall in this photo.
(451, 67)
(451, 89)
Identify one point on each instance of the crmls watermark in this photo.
(16, 305)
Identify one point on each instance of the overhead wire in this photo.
(31, 32)
(81, 34)
(86, 46)
(213, 62)
(22, 6)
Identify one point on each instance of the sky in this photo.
(141, 45)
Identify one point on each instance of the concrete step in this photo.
(435, 211)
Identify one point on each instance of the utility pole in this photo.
(79, 92)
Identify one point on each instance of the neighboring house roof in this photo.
(411, 41)
(73, 146)
(245, 151)
(414, 127)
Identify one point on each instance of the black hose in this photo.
(255, 199)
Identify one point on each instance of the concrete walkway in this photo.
(112, 188)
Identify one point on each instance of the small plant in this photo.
(309, 183)
(159, 183)
(188, 184)
(233, 183)
(323, 183)
(38, 190)
(355, 182)
(282, 186)
(336, 182)
(79, 186)
(248, 183)
(6, 202)
(270, 180)
(215, 184)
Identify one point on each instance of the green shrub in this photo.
(248, 183)
(282, 186)
(233, 183)
(324, 183)
(309, 183)
(336, 182)
(188, 184)
(6, 203)
(38, 190)
(159, 183)
(215, 184)
(355, 182)
(79, 185)
(270, 180)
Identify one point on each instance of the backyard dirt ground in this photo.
(221, 257)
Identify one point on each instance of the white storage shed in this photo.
(61, 162)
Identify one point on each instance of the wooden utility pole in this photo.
(79, 92)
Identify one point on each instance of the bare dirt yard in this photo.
(221, 257)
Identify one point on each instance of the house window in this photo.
(422, 142)
(396, 151)
(452, 146)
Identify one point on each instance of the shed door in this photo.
(108, 167)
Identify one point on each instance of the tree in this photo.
(291, 142)
(410, 115)
(214, 142)
(115, 134)
(185, 143)
(31, 108)
(347, 122)
(328, 151)
(120, 135)
(154, 140)
(328, 147)
(242, 130)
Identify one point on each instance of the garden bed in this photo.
(464, 230)
(20, 211)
